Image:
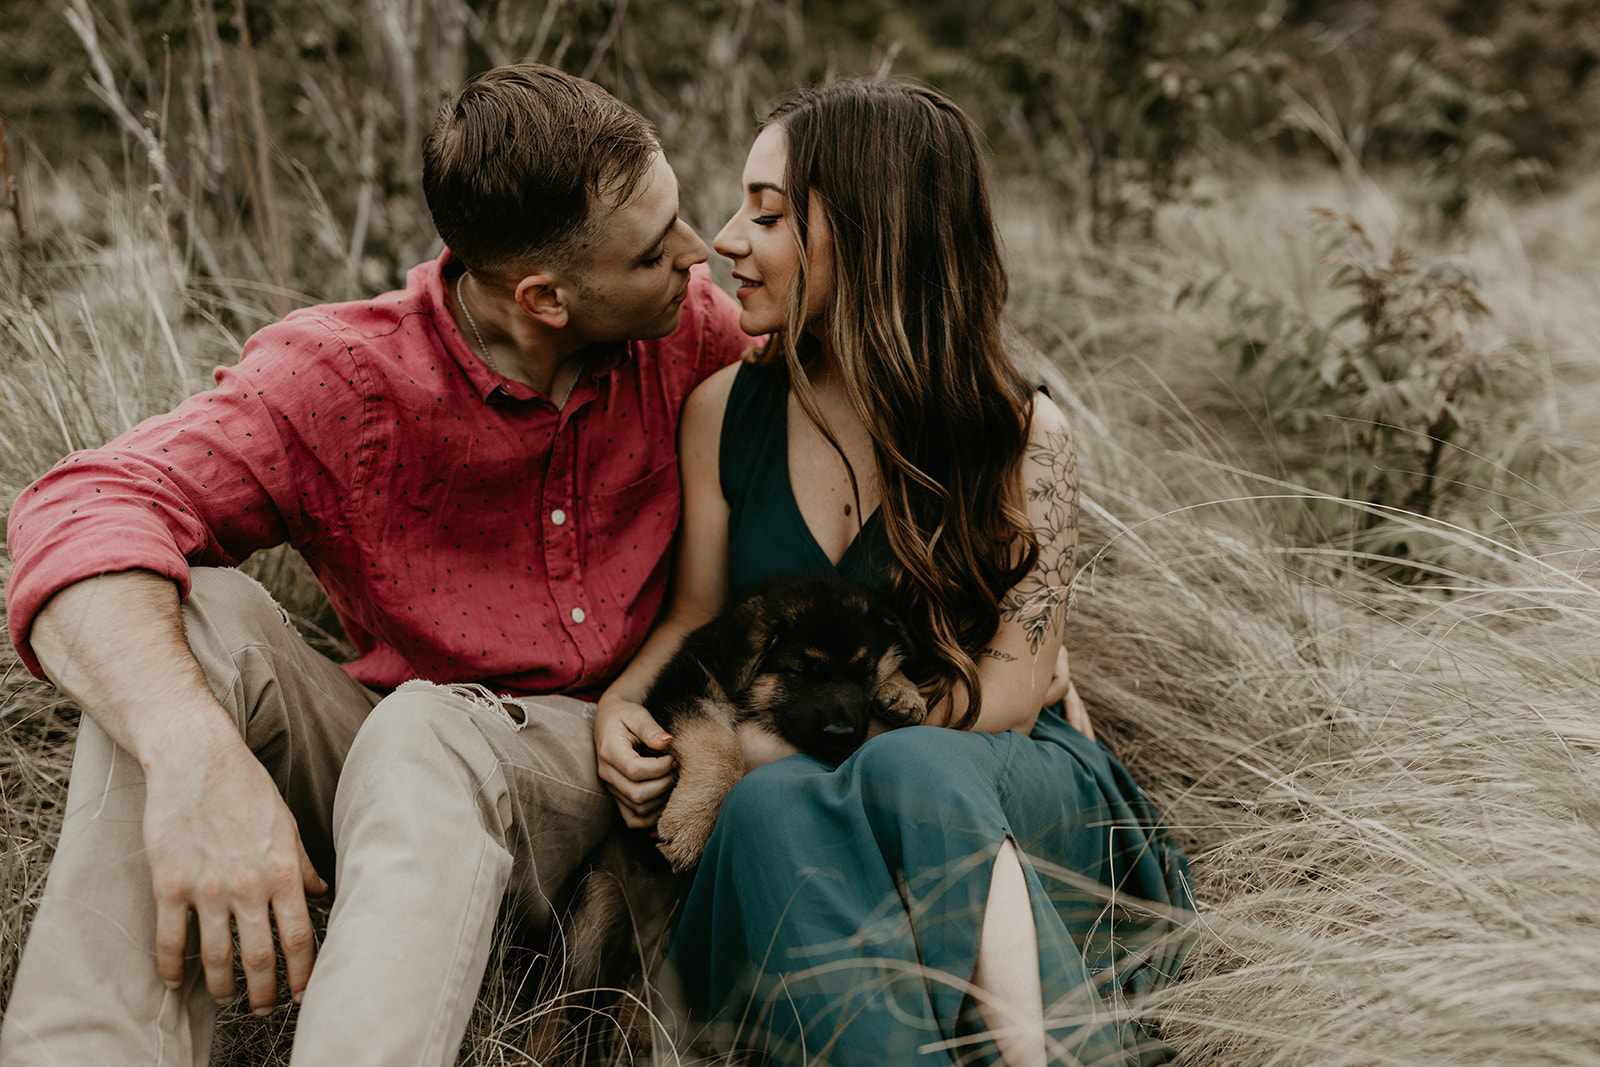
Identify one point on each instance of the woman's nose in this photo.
(728, 241)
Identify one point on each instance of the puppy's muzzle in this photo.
(830, 719)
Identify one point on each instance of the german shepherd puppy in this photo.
(806, 663)
(810, 660)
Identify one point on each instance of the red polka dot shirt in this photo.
(464, 527)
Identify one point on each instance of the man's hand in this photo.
(219, 838)
(639, 782)
(222, 843)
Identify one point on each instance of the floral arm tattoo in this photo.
(1039, 602)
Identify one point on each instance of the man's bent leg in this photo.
(86, 989)
(447, 803)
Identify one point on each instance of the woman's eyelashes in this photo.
(766, 220)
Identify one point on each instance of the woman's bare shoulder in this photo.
(1049, 422)
(710, 398)
(1050, 485)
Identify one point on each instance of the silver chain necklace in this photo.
(483, 346)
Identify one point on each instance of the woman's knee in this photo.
(756, 799)
(924, 774)
(918, 756)
(766, 799)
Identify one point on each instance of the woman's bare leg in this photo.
(1008, 967)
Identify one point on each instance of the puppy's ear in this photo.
(754, 663)
(750, 633)
(888, 620)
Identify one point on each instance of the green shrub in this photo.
(1495, 94)
(1397, 400)
(1449, 112)
(1109, 102)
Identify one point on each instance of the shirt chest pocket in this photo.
(638, 518)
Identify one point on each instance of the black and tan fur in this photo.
(811, 660)
(806, 663)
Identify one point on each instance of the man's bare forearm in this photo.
(220, 841)
(115, 645)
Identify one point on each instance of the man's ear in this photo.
(544, 296)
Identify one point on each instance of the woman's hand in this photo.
(1061, 680)
(1077, 714)
(640, 783)
(1063, 692)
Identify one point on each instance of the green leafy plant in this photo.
(1461, 97)
(1109, 102)
(1398, 396)
(1449, 112)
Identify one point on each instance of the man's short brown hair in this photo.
(516, 160)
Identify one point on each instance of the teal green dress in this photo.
(834, 918)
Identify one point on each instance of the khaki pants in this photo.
(427, 807)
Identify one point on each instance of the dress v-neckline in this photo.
(852, 551)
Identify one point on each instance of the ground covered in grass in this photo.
(1383, 766)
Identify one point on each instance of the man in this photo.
(480, 468)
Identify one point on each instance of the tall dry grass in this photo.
(1388, 792)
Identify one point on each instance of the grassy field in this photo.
(1388, 790)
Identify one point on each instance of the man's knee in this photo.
(422, 722)
(260, 668)
(453, 758)
(227, 611)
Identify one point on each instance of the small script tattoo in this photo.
(1039, 602)
(995, 653)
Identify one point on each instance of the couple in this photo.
(481, 470)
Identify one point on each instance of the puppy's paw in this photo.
(682, 833)
(898, 702)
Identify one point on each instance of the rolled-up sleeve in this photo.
(227, 472)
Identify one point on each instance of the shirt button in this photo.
(558, 516)
(578, 615)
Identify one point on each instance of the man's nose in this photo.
(696, 251)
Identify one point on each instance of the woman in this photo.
(944, 893)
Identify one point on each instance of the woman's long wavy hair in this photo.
(914, 329)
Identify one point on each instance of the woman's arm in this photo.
(699, 584)
(1016, 666)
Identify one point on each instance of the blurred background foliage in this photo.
(274, 150)
(284, 136)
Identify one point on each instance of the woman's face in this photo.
(760, 240)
